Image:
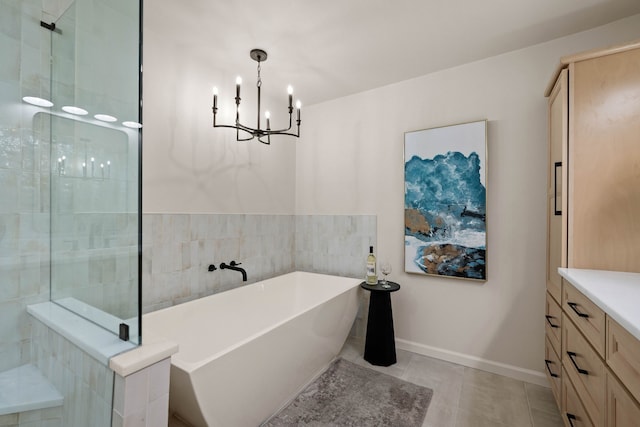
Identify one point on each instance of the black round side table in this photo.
(380, 345)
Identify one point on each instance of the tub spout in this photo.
(234, 266)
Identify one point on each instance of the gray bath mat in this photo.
(347, 394)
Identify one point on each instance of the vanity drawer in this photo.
(622, 409)
(623, 356)
(553, 317)
(573, 413)
(553, 369)
(586, 371)
(587, 316)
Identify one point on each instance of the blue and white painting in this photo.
(445, 201)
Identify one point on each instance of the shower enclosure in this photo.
(95, 163)
(70, 202)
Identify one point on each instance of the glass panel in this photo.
(95, 200)
(24, 171)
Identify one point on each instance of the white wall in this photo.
(188, 167)
(350, 161)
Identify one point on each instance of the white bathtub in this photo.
(244, 353)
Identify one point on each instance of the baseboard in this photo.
(510, 371)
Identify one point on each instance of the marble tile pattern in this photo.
(85, 383)
(142, 398)
(178, 248)
(467, 397)
(334, 244)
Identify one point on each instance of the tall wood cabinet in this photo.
(593, 222)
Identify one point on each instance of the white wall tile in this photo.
(158, 412)
(136, 392)
(159, 379)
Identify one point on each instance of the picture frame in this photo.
(445, 201)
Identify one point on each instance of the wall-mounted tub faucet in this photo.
(234, 266)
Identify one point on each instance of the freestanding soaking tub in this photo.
(245, 353)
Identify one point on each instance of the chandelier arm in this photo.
(248, 130)
(283, 129)
(276, 131)
(237, 132)
(243, 139)
(286, 133)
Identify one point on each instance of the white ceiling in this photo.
(332, 48)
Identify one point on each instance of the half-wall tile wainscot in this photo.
(178, 249)
(85, 383)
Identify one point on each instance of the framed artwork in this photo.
(445, 201)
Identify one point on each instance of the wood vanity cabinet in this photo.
(593, 211)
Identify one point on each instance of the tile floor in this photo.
(465, 397)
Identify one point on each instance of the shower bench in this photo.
(25, 389)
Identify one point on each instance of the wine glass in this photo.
(385, 268)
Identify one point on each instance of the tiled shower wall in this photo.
(178, 248)
(24, 176)
(95, 258)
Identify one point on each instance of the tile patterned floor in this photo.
(464, 397)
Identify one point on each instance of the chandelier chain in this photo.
(259, 82)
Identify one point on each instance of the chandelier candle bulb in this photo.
(290, 92)
(215, 97)
(238, 83)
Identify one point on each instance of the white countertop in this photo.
(616, 293)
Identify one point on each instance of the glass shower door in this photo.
(95, 164)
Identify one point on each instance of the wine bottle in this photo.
(372, 277)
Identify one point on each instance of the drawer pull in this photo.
(549, 321)
(571, 417)
(547, 362)
(574, 307)
(571, 355)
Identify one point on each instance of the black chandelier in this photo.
(259, 56)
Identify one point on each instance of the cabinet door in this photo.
(557, 183)
(622, 409)
(552, 326)
(573, 412)
(623, 356)
(604, 156)
(554, 370)
(586, 371)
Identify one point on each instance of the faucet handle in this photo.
(233, 263)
